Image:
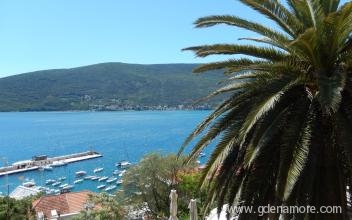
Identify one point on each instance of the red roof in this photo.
(66, 203)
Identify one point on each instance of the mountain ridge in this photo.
(107, 86)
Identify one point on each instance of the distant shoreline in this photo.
(164, 110)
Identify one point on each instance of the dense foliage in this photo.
(147, 185)
(13, 209)
(106, 86)
(285, 132)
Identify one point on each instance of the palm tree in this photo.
(284, 133)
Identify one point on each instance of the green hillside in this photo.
(107, 86)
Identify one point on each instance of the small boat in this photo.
(68, 187)
(56, 191)
(116, 172)
(63, 185)
(95, 178)
(112, 179)
(78, 181)
(97, 170)
(110, 188)
(103, 178)
(88, 177)
(122, 173)
(119, 182)
(43, 188)
(48, 191)
(29, 184)
(123, 164)
(100, 186)
(62, 178)
(58, 163)
(81, 173)
(56, 183)
(48, 168)
(50, 181)
(201, 154)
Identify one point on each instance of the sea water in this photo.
(126, 135)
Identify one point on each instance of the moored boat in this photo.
(63, 185)
(50, 181)
(48, 168)
(122, 173)
(88, 177)
(101, 186)
(56, 183)
(112, 179)
(29, 183)
(62, 178)
(95, 178)
(97, 170)
(123, 164)
(201, 154)
(103, 178)
(68, 187)
(78, 181)
(110, 188)
(81, 173)
(58, 163)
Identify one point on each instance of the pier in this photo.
(39, 161)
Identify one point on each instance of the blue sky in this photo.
(43, 34)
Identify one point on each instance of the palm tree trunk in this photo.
(330, 181)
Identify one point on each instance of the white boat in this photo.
(62, 178)
(29, 184)
(119, 182)
(110, 188)
(123, 164)
(103, 178)
(58, 163)
(112, 179)
(201, 154)
(100, 186)
(56, 183)
(43, 188)
(122, 173)
(50, 181)
(48, 191)
(116, 172)
(88, 177)
(95, 178)
(78, 181)
(48, 168)
(63, 185)
(68, 187)
(97, 170)
(81, 173)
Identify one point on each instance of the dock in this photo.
(39, 161)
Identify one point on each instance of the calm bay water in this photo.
(117, 135)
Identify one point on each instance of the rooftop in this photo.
(66, 203)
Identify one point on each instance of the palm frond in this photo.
(300, 154)
(278, 39)
(276, 12)
(231, 49)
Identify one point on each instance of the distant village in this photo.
(125, 105)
